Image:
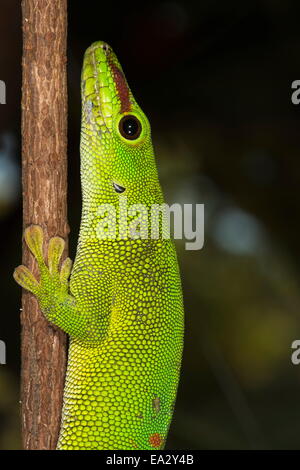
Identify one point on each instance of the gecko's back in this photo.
(120, 393)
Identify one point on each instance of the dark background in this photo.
(215, 80)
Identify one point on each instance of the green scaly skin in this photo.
(123, 305)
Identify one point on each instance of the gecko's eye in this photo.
(118, 188)
(130, 127)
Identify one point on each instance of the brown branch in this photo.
(44, 178)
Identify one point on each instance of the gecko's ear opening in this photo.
(118, 188)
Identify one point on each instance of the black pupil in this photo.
(130, 127)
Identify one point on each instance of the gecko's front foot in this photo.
(52, 289)
(53, 283)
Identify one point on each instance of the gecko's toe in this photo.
(66, 270)
(25, 278)
(55, 251)
(34, 239)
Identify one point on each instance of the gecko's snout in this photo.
(98, 45)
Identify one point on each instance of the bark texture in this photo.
(44, 179)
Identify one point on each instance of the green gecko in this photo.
(123, 307)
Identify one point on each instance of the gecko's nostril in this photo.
(118, 188)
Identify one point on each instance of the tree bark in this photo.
(44, 179)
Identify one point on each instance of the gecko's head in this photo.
(116, 135)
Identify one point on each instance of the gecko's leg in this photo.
(52, 290)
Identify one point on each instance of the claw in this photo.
(55, 251)
(25, 278)
(34, 238)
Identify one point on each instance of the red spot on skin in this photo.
(122, 87)
(155, 440)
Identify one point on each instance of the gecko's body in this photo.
(123, 306)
